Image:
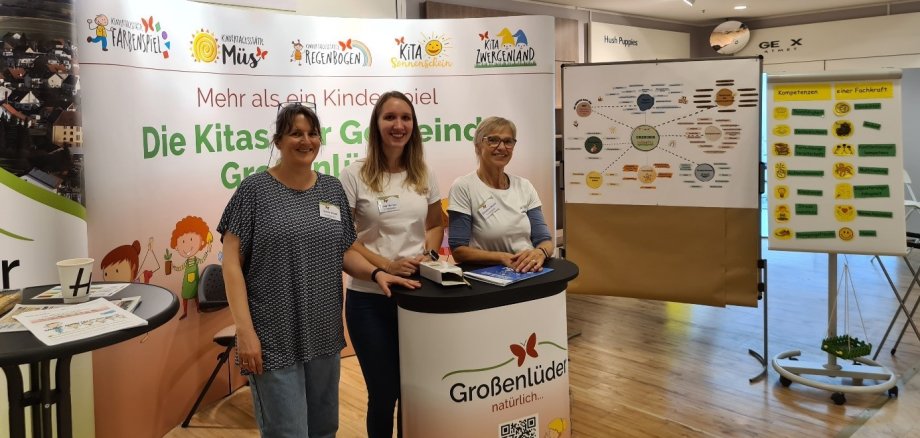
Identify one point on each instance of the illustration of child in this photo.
(189, 238)
(98, 24)
(297, 56)
(122, 263)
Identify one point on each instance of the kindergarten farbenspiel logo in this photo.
(340, 52)
(228, 49)
(144, 36)
(430, 51)
(505, 49)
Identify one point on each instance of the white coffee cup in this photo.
(76, 278)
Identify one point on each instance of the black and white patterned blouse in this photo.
(292, 264)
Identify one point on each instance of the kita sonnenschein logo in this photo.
(229, 49)
(429, 51)
(504, 49)
(145, 35)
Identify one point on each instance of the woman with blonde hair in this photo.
(496, 217)
(397, 209)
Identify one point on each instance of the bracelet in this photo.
(374, 274)
(545, 253)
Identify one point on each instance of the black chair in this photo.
(212, 297)
(211, 293)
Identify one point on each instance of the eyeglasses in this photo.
(311, 105)
(493, 141)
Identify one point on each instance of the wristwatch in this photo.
(432, 254)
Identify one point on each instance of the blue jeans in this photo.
(371, 320)
(104, 40)
(301, 400)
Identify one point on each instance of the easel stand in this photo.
(792, 370)
(762, 286)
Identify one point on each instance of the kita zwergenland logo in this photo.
(340, 52)
(430, 51)
(229, 49)
(505, 49)
(142, 36)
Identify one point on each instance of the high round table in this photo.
(157, 306)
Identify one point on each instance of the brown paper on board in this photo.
(684, 254)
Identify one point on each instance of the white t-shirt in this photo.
(499, 217)
(391, 223)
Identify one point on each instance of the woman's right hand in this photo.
(249, 349)
(507, 259)
(403, 267)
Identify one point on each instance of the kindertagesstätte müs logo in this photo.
(483, 383)
(228, 49)
(429, 51)
(504, 49)
(145, 35)
(347, 51)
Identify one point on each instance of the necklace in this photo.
(504, 181)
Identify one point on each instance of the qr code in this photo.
(520, 428)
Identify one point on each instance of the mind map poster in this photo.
(675, 133)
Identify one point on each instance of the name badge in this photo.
(488, 208)
(330, 211)
(386, 204)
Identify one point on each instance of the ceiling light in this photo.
(740, 7)
(689, 2)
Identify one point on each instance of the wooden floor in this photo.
(656, 369)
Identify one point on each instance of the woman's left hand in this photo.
(528, 260)
(385, 280)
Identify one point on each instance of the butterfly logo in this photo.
(148, 24)
(401, 40)
(484, 36)
(261, 53)
(345, 45)
(521, 351)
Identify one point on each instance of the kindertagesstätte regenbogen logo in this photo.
(347, 51)
(145, 35)
(429, 51)
(228, 49)
(504, 49)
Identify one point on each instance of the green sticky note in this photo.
(867, 233)
(872, 125)
(802, 150)
(806, 173)
(806, 209)
(804, 192)
(873, 170)
(866, 106)
(808, 112)
(879, 191)
(871, 213)
(877, 150)
(815, 235)
(811, 131)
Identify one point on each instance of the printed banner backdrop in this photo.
(179, 109)
(835, 162)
